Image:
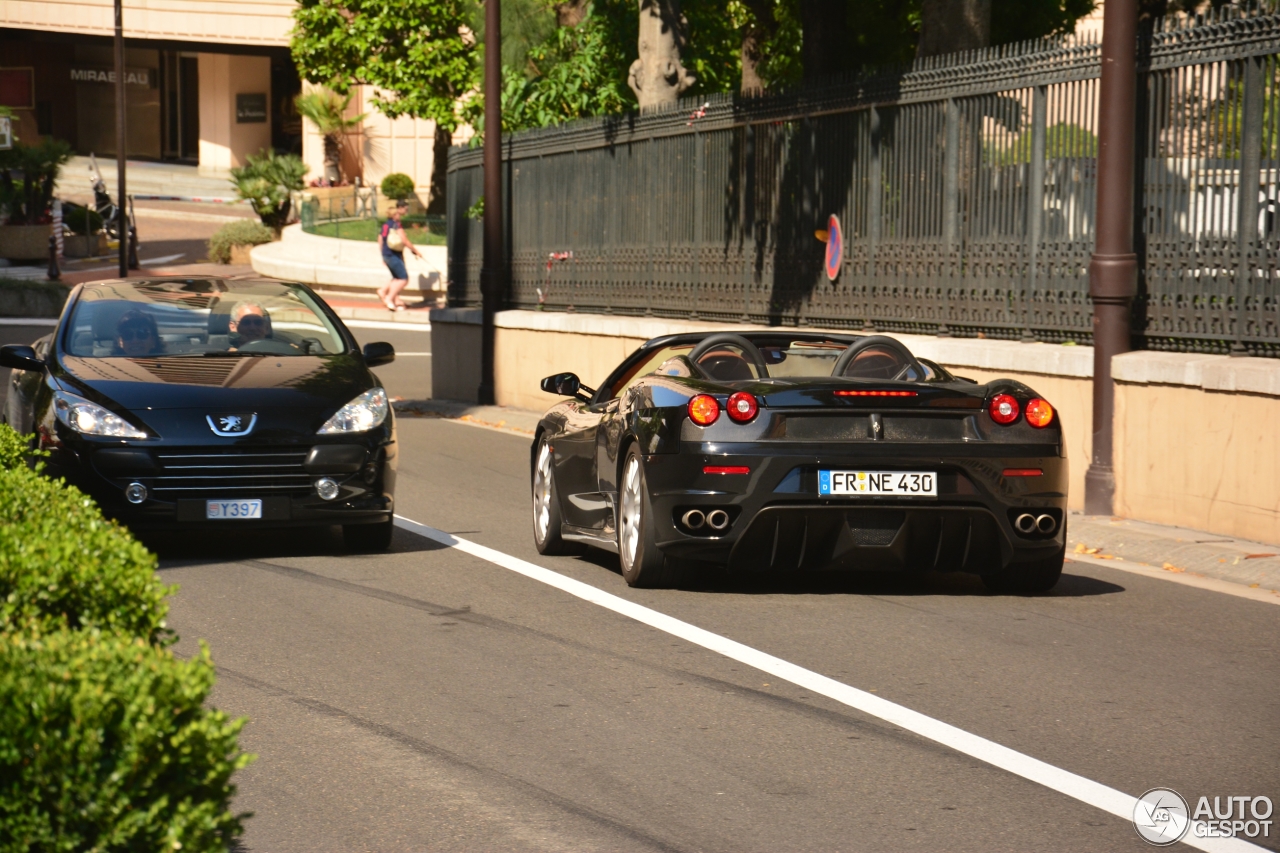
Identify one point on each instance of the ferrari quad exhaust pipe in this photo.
(1026, 523)
(693, 519)
(717, 519)
(1046, 524)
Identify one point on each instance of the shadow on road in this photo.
(221, 546)
(714, 579)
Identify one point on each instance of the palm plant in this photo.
(266, 181)
(327, 110)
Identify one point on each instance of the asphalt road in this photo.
(426, 699)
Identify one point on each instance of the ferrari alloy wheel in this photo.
(642, 563)
(1027, 578)
(546, 504)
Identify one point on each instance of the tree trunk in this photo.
(753, 38)
(825, 37)
(571, 12)
(657, 77)
(332, 157)
(439, 171)
(950, 26)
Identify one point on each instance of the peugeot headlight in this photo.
(363, 413)
(91, 419)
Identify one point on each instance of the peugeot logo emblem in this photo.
(232, 425)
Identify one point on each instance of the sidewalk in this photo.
(1177, 551)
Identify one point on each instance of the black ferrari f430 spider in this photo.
(796, 452)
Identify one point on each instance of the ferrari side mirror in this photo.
(562, 384)
(20, 358)
(379, 353)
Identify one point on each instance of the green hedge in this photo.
(62, 565)
(105, 740)
(105, 745)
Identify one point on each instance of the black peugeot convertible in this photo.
(792, 451)
(207, 403)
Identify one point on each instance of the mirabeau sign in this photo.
(132, 76)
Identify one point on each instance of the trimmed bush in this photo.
(62, 565)
(81, 220)
(105, 744)
(15, 449)
(397, 185)
(243, 233)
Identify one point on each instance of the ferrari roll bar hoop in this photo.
(846, 357)
(748, 349)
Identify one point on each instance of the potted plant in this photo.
(27, 176)
(267, 181)
(85, 238)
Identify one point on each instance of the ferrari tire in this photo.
(643, 565)
(1032, 578)
(547, 519)
(366, 538)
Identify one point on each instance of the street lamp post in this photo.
(122, 230)
(491, 274)
(1113, 269)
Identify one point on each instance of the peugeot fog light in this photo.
(91, 419)
(363, 413)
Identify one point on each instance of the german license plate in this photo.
(233, 509)
(878, 483)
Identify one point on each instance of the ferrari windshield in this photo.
(199, 318)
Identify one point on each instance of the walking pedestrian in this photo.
(392, 241)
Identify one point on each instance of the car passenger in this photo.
(250, 322)
(137, 335)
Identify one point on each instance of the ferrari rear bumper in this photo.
(777, 521)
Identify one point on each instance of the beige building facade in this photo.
(208, 83)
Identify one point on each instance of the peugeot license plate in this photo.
(878, 483)
(233, 509)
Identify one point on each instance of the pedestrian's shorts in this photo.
(395, 263)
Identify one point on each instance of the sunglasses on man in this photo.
(251, 320)
(135, 333)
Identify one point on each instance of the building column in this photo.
(226, 138)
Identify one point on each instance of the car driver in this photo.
(251, 322)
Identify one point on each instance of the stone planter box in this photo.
(83, 245)
(25, 242)
(240, 255)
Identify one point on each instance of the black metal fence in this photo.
(964, 187)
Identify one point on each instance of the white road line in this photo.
(164, 259)
(385, 324)
(28, 321)
(1078, 787)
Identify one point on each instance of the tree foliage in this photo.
(424, 57)
(417, 54)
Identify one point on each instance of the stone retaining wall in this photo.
(1196, 438)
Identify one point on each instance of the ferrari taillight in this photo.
(742, 407)
(1003, 409)
(704, 410)
(1039, 413)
